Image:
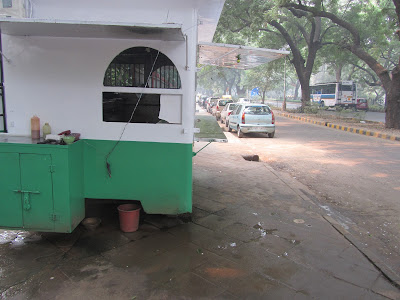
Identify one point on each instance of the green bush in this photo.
(360, 115)
(377, 108)
(313, 109)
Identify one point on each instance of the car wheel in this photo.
(240, 133)
(271, 135)
(229, 127)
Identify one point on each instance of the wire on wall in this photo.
(108, 165)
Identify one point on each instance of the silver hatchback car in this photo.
(252, 118)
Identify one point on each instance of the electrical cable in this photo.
(108, 166)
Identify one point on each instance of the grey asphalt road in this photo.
(368, 116)
(356, 177)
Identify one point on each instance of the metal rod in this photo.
(202, 148)
(284, 88)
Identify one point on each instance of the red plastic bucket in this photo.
(129, 217)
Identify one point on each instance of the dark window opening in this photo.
(118, 107)
(132, 67)
(7, 3)
(345, 88)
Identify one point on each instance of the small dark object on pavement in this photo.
(254, 157)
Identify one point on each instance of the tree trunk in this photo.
(263, 97)
(305, 95)
(350, 75)
(296, 90)
(338, 72)
(241, 91)
(393, 100)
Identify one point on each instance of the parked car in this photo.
(219, 106)
(226, 112)
(362, 104)
(210, 103)
(244, 100)
(252, 118)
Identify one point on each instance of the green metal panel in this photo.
(10, 201)
(157, 174)
(61, 190)
(54, 171)
(76, 184)
(37, 191)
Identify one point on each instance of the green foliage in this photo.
(265, 77)
(311, 109)
(377, 108)
(359, 115)
(219, 80)
(247, 22)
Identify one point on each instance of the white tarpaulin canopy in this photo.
(238, 57)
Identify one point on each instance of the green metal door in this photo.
(37, 191)
(10, 201)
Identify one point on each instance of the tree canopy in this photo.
(355, 36)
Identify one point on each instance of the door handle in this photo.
(26, 194)
(22, 191)
(27, 203)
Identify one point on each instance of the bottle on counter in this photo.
(46, 130)
(35, 127)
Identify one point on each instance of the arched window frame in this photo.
(163, 92)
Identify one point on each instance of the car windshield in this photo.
(257, 110)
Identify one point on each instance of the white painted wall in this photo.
(61, 79)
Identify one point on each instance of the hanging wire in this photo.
(108, 166)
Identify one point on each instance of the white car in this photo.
(226, 112)
(252, 118)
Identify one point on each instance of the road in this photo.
(368, 116)
(356, 177)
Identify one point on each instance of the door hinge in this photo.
(52, 169)
(54, 217)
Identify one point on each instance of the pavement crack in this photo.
(393, 278)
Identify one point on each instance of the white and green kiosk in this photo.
(122, 74)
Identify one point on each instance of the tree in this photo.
(268, 25)
(358, 42)
(265, 77)
(221, 80)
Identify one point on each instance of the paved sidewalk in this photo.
(255, 234)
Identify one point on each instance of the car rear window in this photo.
(257, 110)
(232, 106)
(224, 102)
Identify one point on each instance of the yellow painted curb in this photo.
(344, 128)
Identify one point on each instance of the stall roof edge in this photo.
(90, 29)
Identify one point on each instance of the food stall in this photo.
(122, 75)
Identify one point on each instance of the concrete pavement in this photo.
(255, 234)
